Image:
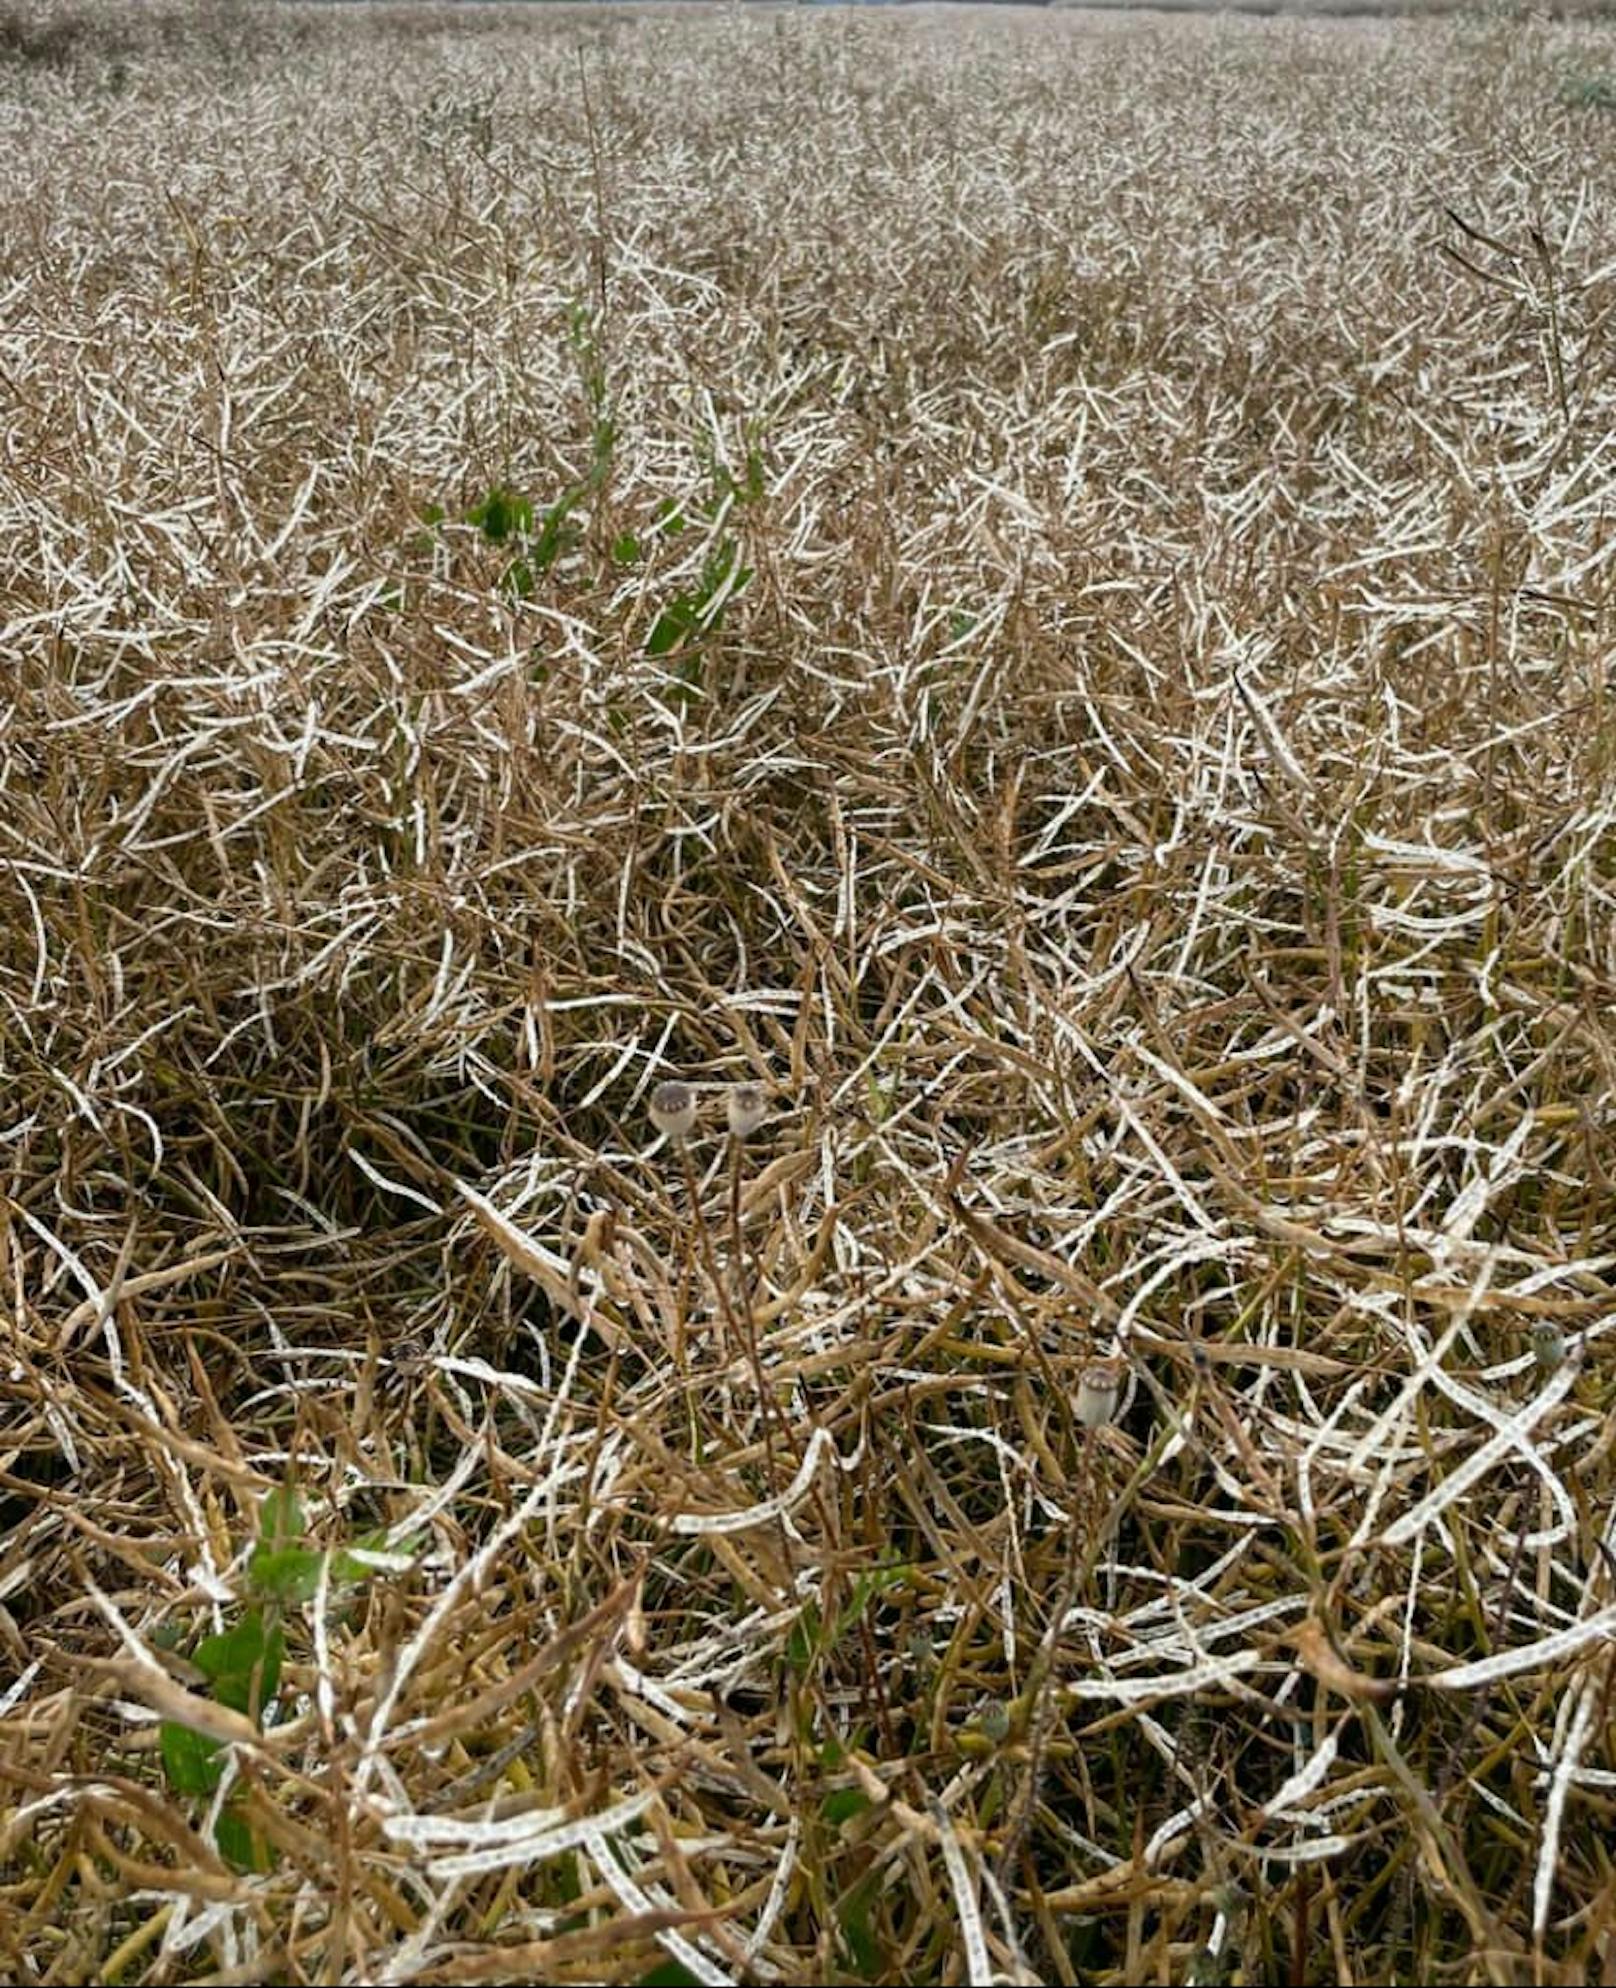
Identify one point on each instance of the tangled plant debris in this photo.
(1024, 600)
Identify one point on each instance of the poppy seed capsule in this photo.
(1099, 1388)
(673, 1110)
(748, 1107)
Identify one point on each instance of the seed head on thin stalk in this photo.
(1099, 1389)
(1548, 1346)
(673, 1113)
(673, 1110)
(747, 1106)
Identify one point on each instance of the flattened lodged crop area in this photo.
(807, 826)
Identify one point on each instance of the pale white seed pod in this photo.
(748, 1106)
(1099, 1389)
(673, 1110)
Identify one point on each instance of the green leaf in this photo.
(240, 1844)
(280, 1566)
(502, 515)
(280, 1519)
(605, 440)
(715, 578)
(244, 1664)
(867, 1586)
(625, 550)
(555, 534)
(190, 1762)
(668, 1974)
(289, 1576)
(689, 616)
(853, 1920)
(692, 614)
(1590, 93)
(842, 1804)
(686, 688)
(802, 1645)
(517, 580)
(673, 625)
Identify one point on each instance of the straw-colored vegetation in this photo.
(1036, 588)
